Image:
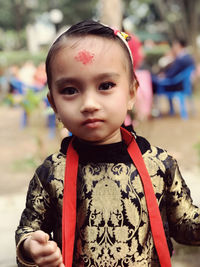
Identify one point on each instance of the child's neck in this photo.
(90, 143)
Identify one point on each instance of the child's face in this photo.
(90, 89)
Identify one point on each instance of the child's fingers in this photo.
(38, 245)
(40, 236)
(45, 249)
(50, 258)
(44, 253)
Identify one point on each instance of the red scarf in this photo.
(69, 203)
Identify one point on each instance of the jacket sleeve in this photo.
(183, 215)
(37, 212)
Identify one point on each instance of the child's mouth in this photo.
(92, 123)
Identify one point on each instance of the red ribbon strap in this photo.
(69, 206)
(151, 201)
(69, 203)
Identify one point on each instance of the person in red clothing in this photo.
(136, 50)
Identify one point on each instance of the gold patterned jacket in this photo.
(112, 219)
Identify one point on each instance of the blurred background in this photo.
(166, 117)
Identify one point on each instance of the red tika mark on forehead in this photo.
(85, 57)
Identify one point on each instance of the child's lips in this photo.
(92, 123)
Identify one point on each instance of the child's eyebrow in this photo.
(107, 75)
(101, 76)
(65, 80)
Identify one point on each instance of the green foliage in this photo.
(14, 14)
(8, 58)
(76, 10)
(6, 16)
(31, 101)
(12, 40)
(18, 13)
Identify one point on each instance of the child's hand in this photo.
(42, 251)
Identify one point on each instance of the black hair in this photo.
(90, 27)
(81, 29)
(182, 42)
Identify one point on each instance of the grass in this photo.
(24, 164)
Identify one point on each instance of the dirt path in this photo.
(17, 162)
(18, 153)
(180, 139)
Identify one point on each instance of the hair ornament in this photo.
(125, 38)
(123, 34)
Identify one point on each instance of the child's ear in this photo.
(131, 101)
(132, 95)
(51, 101)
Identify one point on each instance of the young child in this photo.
(94, 199)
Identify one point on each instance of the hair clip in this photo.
(125, 38)
(123, 34)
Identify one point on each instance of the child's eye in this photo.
(69, 91)
(106, 86)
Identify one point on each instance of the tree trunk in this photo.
(192, 7)
(111, 13)
(186, 24)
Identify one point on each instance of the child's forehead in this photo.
(92, 43)
(90, 50)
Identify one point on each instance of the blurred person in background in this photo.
(182, 59)
(174, 62)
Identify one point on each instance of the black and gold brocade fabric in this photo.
(112, 219)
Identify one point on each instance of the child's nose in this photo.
(89, 103)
